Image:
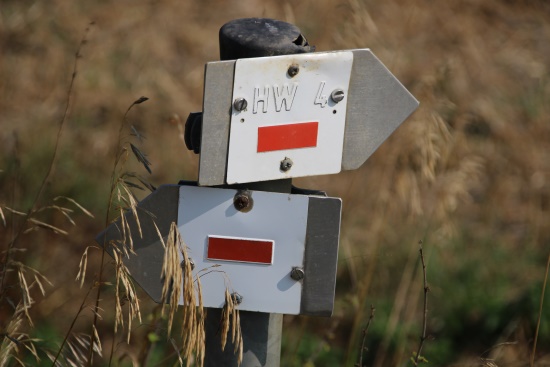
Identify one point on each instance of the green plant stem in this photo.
(532, 362)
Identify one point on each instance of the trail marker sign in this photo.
(252, 252)
(266, 119)
(278, 117)
(290, 113)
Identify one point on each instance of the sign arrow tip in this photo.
(378, 103)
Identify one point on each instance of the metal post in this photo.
(244, 38)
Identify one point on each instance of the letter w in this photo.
(284, 94)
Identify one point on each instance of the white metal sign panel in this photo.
(254, 251)
(288, 116)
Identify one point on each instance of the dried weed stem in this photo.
(68, 104)
(81, 308)
(13, 336)
(231, 317)
(418, 357)
(173, 271)
(129, 200)
(532, 361)
(365, 331)
(47, 176)
(128, 294)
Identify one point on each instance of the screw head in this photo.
(286, 164)
(293, 70)
(243, 201)
(240, 104)
(337, 95)
(182, 264)
(297, 273)
(237, 298)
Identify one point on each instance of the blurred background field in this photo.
(468, 173)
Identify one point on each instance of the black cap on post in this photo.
(258, 37)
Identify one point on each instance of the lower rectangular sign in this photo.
(210, 225)
(254, 251)
(244, 250)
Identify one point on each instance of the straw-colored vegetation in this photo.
(468, 174)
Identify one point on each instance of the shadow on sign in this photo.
(286, 283)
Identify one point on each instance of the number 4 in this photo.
(320, 99)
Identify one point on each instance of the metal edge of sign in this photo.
(145, 266)
(378, 103)
(321, 256)
(216, 120)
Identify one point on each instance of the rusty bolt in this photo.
(240, 104)
(297, 273)
(243, 201)
(286, 164)
(293, 70)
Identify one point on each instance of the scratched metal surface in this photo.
(378, 103)
(276, 99)
(321, 256)
(146, 265)
(218, 90)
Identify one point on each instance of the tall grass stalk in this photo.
(14, 336)
(120, 153)
(364, 339)
(532, 361)
(65, 339)
(33, 207)
(418, 356)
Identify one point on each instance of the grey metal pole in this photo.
(244, 38)
(261, 340)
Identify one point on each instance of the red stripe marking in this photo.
(288, 136)
(240, 249)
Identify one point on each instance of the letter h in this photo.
(264, 98)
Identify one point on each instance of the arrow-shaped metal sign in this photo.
(277, 251)
(296, 115)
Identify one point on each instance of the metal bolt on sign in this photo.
(191, 262)
(329, 111)
(337, 95)
(297, 273)
(243, 201)
(293, 70)
(286, 164)
(240, 104)
(237, 298)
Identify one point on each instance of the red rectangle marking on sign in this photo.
(240, 249)
(288, 136)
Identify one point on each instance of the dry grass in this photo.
(230, 318)
(175, 291)
(469, 171)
